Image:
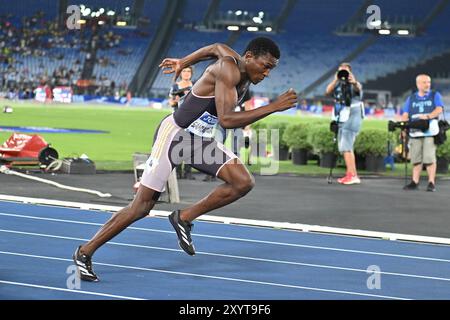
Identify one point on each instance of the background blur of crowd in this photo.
(45, 42)
(375, 109)
(115, 53)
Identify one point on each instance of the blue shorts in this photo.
(346, 139)
(349, 130)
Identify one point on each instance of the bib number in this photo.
(204, 126)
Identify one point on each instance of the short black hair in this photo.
(261, 46)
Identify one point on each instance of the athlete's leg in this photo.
(153, 180)
(238, 182)
(140, 207)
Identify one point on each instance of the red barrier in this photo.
(22, 146)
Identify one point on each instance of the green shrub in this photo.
(296, 136)
(281, 127)
(256, 127)
(259, 125)
(321, 139)
(443, 150)
(371, 142)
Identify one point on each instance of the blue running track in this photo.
(232, 262)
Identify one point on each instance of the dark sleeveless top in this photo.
(193, 108)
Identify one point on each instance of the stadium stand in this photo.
(34, 50)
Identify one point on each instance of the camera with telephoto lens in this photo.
(343, 75)
(345, 96)
(420, 124)
(179, 92)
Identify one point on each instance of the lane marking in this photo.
(68, 290)
(241, 239)
(214, 277)
(235, 256)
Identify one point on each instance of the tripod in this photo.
(334, 127)
(404, 137)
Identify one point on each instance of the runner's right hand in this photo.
(171, 65)
(286, 100)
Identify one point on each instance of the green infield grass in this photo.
(130, 130)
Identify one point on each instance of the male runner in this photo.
(211, 101)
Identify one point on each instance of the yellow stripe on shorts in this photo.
(162, 140)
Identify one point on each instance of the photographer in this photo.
(348, 115)
(177, 91)
(180, 88)
(426, 105)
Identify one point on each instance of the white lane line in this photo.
(235, 257)
(213, 277)
(243, 239)
(67, 290)
(246, 222)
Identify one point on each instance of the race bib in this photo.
(204, 126)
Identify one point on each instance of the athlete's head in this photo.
(261, 56)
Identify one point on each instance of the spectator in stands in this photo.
(180, 88)
(129, 97)
(34, 37)
(423, 104)
(303, 105)
(48, 93)
(349, 118)
(177, 91)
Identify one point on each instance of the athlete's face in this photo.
(259, 67)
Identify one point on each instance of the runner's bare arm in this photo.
(213, 51)
(227, 77)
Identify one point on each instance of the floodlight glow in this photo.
(257, 20)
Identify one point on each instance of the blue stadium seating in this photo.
(194, 10)
(309, 46)
(124, 59)
(30, 7)
(125, 66)
(440, 25)
(185, 42)
(414, 9)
